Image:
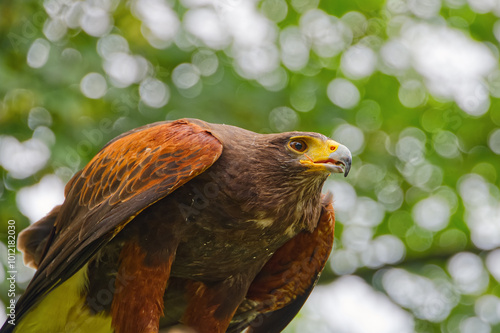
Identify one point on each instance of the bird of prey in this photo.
(208, 226)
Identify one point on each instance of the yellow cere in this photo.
(72, 314)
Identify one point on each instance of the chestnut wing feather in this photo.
(283, 285)
(128, 175)
(33, 240)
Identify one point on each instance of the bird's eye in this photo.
(298, 145)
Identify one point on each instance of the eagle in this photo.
(208, 227)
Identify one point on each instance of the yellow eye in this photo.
(298, 145)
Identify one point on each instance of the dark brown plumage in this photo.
(209, 226)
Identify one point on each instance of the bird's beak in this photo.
(332, 156)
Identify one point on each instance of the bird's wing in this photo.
(128, 175)
(285, 282)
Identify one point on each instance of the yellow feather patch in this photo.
(64, 310)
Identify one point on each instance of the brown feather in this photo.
(91, 216)
(284, 283)
(220, 224)
(294, 267)
(33, 240)
(211, 306)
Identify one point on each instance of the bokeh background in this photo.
(410, 86)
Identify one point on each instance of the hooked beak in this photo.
(339, 161)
